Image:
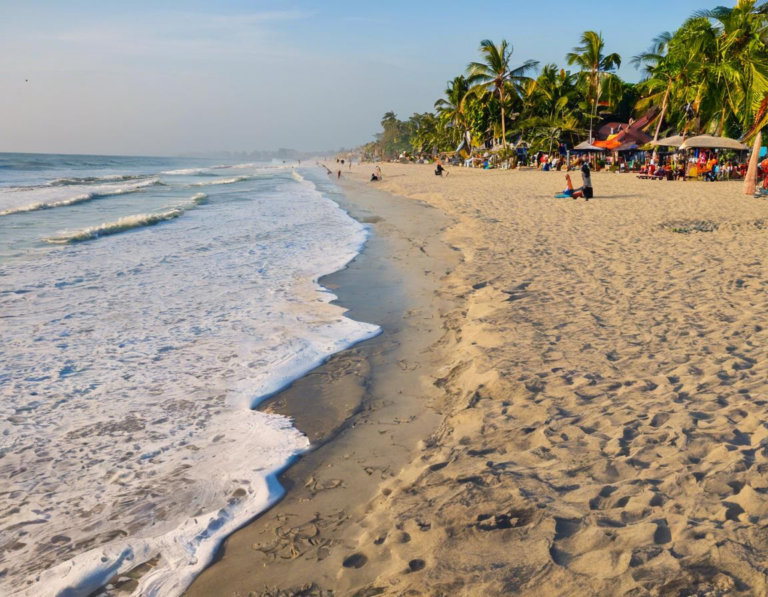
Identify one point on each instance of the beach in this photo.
(587, 413)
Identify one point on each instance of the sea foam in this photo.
(129, 370)
(66, 196)
(126, 223)
(219, 181)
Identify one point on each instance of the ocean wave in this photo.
(154, 356)
(222, 181)
(186, 172)
(65, 182)
(127, 223)
(82, 198)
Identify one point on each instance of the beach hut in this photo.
(710, 142)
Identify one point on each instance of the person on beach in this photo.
(439, 170)
(378, 173)
(338, 174)
(586, 179)
(569, 190)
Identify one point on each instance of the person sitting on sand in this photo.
(374, 178)
(439, 170)
(569, 190)
(378, 173)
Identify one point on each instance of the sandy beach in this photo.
(587, 411)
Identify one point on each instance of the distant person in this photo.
(342, 162)
(569, 191)
(374, 178)
(378, 173)
(439, 170)
(338, 174)
(586, 179)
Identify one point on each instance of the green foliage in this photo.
(716, 63)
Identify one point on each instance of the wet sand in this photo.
(366, 411)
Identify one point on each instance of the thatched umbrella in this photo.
(710, 142)
(750, 181)
(675, 141)
(587, 146)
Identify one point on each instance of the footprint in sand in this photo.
(356, 561)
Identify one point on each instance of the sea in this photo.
(147, 305)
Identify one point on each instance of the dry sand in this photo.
(603, 416)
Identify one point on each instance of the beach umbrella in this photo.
(710, 142)
(751, 178)
(587, 146)
(675, 141)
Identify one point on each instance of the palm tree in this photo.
(665, 70)
(496, 75)
(595, 66)
(452, 108)
(737, 70)
(390, 120)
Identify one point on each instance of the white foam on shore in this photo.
(63, 195)
(128, 368)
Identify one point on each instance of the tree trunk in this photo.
(721, 126)
(503, 126)
(594, 105)
(663, 112)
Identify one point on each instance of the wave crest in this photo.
(66, 182)
(78, 198)
(127, 223)
(222, 181)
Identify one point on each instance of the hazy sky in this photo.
(162, 77)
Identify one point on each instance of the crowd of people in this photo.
(707, 165)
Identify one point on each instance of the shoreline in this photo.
(364, 410)
(596, 395)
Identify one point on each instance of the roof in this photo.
(624, 132)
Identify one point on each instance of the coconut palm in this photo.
(452, 108)
(596, 69)
(736, 70)
(496, 75)
(666, 74)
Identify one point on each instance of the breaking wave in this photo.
(188, 172)
(222, 181)
(65, 182)
(82, 198)
(127, 223)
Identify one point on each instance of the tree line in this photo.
(708, 76)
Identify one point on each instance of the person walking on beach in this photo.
(586, 179)
(338, 174)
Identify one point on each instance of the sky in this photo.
(164, 77)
